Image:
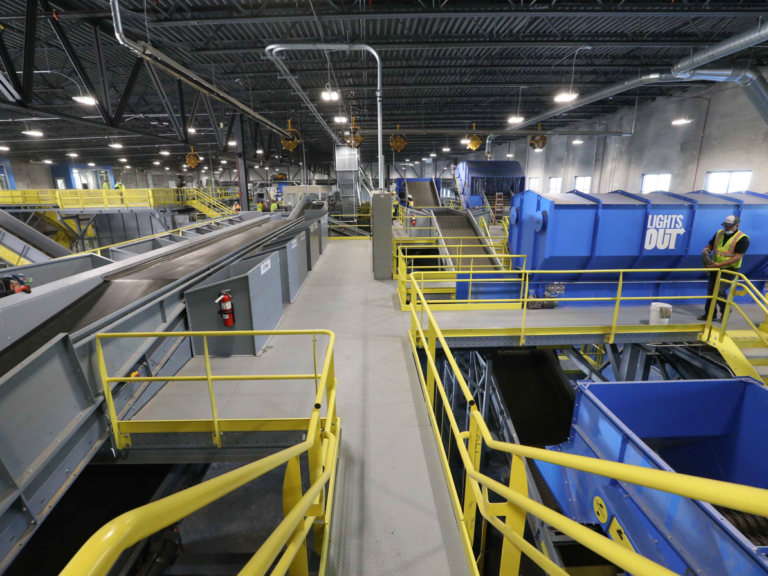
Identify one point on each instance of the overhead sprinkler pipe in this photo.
(153, 55)
(273, 49)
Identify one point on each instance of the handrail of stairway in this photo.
(738, 497)
(100, 552)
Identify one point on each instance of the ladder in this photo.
(498, 208)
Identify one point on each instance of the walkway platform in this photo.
(392, 513)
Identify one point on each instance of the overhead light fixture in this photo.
(201, 158)
(85, 100)
(259, 151)
(424, 159)
(205, 168)
(156, 163)
(329, 95)
(340, 119)
(681, 121)
(515, 120)
(446, 149)
(91, 164)
(123, 159)
(72, 154)
(465, 140)
(415, 161)
(346, 133)
(570, 95)
(538, 150)
(510, 155)
(191, 130)
(4, 148)
(255, 166)
(115, 145)
(566, 97)
(223, 161)
(127, 166)
(35, 133)
(167, 168)
(432, 154)
(47, 162)
(232, 143)
(578, 142)
(164, 153)
(654, 75)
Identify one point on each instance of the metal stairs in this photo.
(756, 354)
(207, 204)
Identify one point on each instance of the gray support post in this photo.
(381, 229)
(242, 166)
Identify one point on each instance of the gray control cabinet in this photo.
(293, 265)
(381, 222)
(257, 299)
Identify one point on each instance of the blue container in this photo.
(711, 428)
(578, 231)
(476, 179)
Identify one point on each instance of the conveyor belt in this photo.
(424, 194)
(538, 400)
(457, 224)
(127, 287)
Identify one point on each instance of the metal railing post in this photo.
(292, 493)
(216, 430)
(121, 440)
(518, 481)
(314, 358)
(431, 346)
(712, 304)
(524, 284)
(474, 448)
(616, 308)
(728, 306)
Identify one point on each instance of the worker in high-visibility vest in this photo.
(105, 186)
(410, 201)
(727, 248)
(236, 206)
(259, 207)
(273, 206)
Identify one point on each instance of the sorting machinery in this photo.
(479, 182)
(52, 414)
(621, 230)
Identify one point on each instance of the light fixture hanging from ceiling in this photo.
(570, 96)
(517, 119)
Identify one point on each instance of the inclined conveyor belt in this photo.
(455, 224)
(126, 287)
(539, 402)
(424, 194)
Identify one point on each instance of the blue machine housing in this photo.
(476, 179)
(578, 231)
(711, 428)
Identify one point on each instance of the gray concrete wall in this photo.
(729, 136)
(31, 176)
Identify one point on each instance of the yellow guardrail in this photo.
(302, 511)
(516, 503)
(107, 199)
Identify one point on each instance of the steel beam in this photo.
(212, 120)
(182, 112)
(30, 37)
(12, 85)
(127, 91)
(193, 112)
(102, 70)
(166, 101)
(76, 64)
(242, 167)
(466, 13)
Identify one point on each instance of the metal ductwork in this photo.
(750, 79)
(273, 49)
(608, 91)
(721, 50)
(154, 56)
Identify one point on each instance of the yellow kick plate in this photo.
(618, 534)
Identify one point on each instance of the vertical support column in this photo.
(30, 39)
(381, 230)
(292, 494)
(242, 167)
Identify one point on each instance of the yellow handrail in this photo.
(738, 497)
(100, 552)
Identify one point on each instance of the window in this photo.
(555, 185)
(655, 183)
(726, 182)
(583, 184)
(533, 184)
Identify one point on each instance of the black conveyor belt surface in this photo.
(457, 224)
(424, 194)
(534, 391)
(128, 287)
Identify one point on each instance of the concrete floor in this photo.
(392, 514)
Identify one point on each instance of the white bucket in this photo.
(660, 313)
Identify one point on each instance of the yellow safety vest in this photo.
(724, 248)
(273, 207)
(259, 207)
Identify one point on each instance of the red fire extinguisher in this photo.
(225, 308)
(413, 221)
